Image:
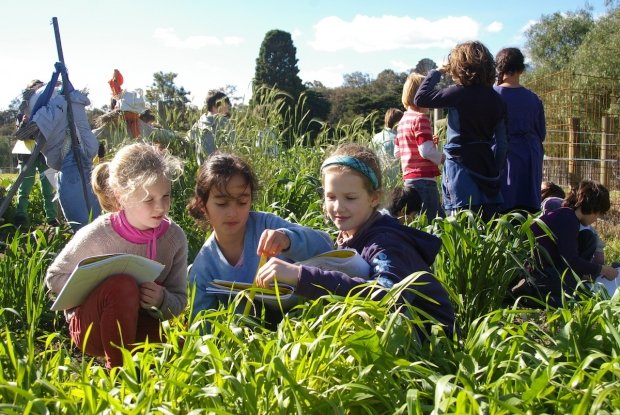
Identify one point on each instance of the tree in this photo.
(170, 100)
(425, 65)
(164, 89)
(599, 53)
(276, 65)
(553, 41)
(356, 80)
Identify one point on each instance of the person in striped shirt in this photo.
(417, 150)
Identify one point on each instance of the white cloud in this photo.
(170, 38)
(495, 27)
(401, 66)
(520, 37)
(529, 24)
(370, 34)
(330, 76)
(232, 40)
(296, 34)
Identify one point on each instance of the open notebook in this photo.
(284, 294)
(347, 261)
(91, 271)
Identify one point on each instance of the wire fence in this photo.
(572, 156)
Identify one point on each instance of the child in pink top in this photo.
(417, 150)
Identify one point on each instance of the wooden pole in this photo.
(573, 151)
(605, 129)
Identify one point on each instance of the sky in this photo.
(210, 44)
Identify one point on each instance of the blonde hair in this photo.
(362, 154)
(413, 82)
(134, 166)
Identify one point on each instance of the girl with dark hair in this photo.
(567, 249)
(522, 177)
(225, 189)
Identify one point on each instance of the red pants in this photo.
(113, 309)
(133, 123)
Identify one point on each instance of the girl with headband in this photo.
(352, 189)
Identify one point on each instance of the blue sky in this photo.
(213, 43)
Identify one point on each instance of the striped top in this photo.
(414, 129)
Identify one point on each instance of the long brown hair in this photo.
(508, 61)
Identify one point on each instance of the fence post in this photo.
(574, 175)
(605, 130)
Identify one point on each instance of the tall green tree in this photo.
(164, 89)
(553, 41)
(170, 100)
(276, 65)
(599, 53)
(425, 65)
(356, 80)
(276, 69)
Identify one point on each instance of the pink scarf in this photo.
(121, 225)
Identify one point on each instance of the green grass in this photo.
(333, 355)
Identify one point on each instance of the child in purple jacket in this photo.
(563, 252)
(352, 186)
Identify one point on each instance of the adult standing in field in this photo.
(418, 153)
(521, 179)
(213, 128)
(475, 152)
(135, 187)
(383, 144)
(23, 149)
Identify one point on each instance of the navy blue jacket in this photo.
(394, 251)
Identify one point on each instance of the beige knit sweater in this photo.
(98, 238)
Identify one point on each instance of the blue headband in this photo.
(356, 165)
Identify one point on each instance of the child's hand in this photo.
(276, 268)
(609, 272)
(151, 295)
(436, 140)
(272, 242)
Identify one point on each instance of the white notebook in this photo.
(90, 272)
(610, 286)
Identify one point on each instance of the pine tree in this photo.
(276, 65)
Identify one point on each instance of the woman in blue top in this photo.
(476, 147)
(522, 177)
(224, 191)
